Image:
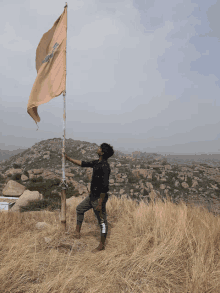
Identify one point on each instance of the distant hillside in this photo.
(5, 154)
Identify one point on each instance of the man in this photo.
(99, 192)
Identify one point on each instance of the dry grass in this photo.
(156, 247)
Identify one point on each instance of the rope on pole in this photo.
(63, 183)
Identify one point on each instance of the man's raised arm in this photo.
(76, 162)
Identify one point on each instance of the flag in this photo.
(50, 65)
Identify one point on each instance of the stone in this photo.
(80, 187)
(13, 171)
(13, 188)
(69, 174)
(121, 191)
(149, 176)
(47, 239)
(154, 195)
(162, 186)
(119, 180)
(214, 186)
(195, 183)
(37, 171)
(25, 198)
(89, 173)
(70, 201)
(24, 178)
(184, 185)
(176, 183)
(41, 225)
(149, 185)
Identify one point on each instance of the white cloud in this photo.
(13, 42)
(133, 73)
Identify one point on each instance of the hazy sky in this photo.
(141, 75)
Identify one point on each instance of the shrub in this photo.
(158, 170)
(16, 166)
(49, 201)
(26, 173)
(164, 163)
(16, 177)
(189, 181)
(155, 182)
(2, 179)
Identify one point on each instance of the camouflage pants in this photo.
(101, 216)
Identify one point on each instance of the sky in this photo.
(142, 75)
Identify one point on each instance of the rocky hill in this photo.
(134, 175)
(6, 154)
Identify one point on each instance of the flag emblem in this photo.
(50, 55)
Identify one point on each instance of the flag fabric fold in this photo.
(50, 65)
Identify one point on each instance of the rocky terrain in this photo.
(134, 175)
(6, 154)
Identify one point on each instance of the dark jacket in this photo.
(100, 176)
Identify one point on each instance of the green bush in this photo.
(16, 177)
(49, 204)
(25, 172)
(155, 182)
(2, 179)
(16, 166)
(132, 180)
(157, 169)
(50, 201)
(189, 181)
(37, 179)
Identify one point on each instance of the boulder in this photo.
(121, 191)
(149, 185)
(13, 188)
(162, 186)
(25, 198)
(13, 171)
(195, 183)
(70, 201)
(83, 190)
(154, 195)
(177, 183)
(184, 185)
(24, 178)
(42, 225)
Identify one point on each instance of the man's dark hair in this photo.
(107, 149)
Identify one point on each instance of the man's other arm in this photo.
(105, 183)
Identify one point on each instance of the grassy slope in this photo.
(160, 247)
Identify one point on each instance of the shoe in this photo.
(76, 235)
(99, 248)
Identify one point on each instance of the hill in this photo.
(157, 241)
(133, 175)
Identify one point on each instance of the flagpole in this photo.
(63, 183)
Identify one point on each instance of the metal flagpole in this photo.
(63, 183)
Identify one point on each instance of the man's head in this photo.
(105, 150)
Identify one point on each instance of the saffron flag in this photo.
(50, 65)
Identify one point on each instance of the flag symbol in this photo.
(50, 65)
(50, 55)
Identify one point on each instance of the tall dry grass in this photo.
(156, 247)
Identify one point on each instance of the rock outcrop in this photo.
(13, 188)
(25, 198)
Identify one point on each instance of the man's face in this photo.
(99, 151)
